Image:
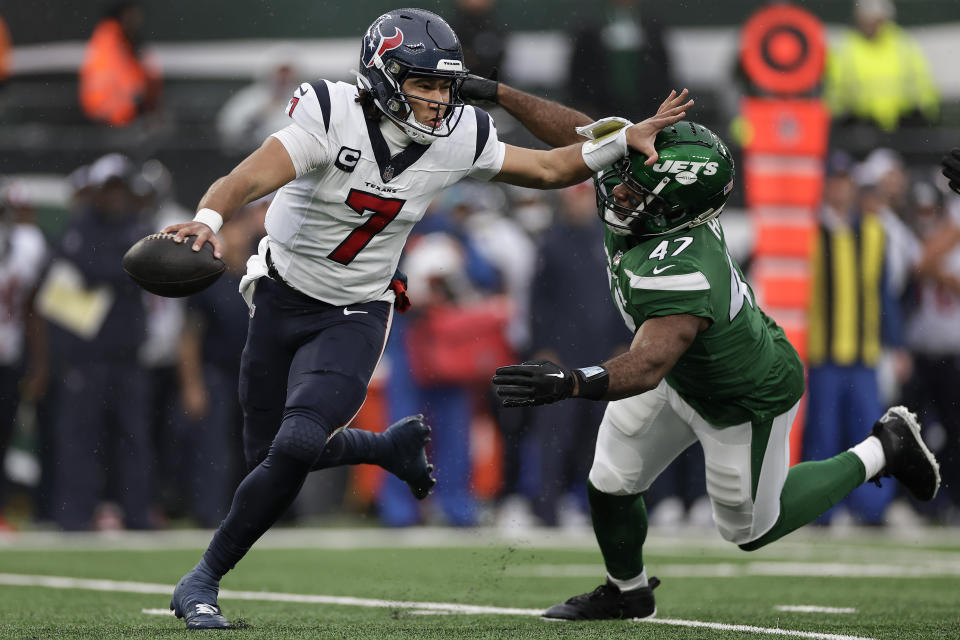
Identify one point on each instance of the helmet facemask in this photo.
(399, 108)
(645, 208)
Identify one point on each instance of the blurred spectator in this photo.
(81, 199)
(446, 275)
(258, 110)
(531, 208)
(571, 277)
(23, 253)
(482, 36)
(933, 336)
(209, 367)
(480, 210)
(504, 244)
(877, 74)
(101, 435)
(81, 195)
(619, 65)
(885, 183)
(852, 315)
(118, 83)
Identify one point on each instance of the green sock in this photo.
(810, 490)
(620, 524)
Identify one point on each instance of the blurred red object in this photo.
(459, 344)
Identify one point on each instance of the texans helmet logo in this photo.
(387, 44)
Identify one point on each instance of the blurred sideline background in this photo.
(482, 252)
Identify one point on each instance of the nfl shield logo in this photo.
(616, 259)
(388, 173)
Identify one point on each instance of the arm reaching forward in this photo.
(262, 172)
(656, 347)
(569, 165)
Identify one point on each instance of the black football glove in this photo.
(479, 89)
(533, 383)
(951, 168)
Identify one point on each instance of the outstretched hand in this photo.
(641, 136)
(199, 229)
(533, 383)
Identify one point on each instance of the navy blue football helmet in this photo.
(412, 43)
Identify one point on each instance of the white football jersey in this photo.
(336, 232)
(21, 264)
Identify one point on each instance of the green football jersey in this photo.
(741, 369)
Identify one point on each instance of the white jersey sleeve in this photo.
(306, 139)
(490, 151)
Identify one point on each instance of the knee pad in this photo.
(608, 479)
(732, 504)
(301, 436)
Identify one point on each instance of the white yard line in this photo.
(750, 629)
(435, 608)
(812, 608)
(736, 570)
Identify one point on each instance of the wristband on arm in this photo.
(607, 142)
(592, 382)
(210, 218)
(479, 89)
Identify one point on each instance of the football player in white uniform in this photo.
(356, 169)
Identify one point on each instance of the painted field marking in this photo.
(751, 629)
(812, 608)
(735, 570)
(440, 608)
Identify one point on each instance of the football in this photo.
(172, 269)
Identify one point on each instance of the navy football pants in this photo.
(305, 369)
(303, 375)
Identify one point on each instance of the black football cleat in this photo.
(607, 602)
(195, 600)
(908, 458)
(409, 437)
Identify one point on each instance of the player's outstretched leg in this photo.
(195, 600)
(401, 450)
(408, 438)
(893, 448)
(907, 457)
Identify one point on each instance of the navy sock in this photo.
(260, 500)
(353, 446)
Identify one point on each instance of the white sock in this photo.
(870, 452)
(633, 583)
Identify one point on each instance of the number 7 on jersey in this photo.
(384, 211)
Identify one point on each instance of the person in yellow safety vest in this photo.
(878, 74)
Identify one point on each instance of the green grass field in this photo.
(447, 583)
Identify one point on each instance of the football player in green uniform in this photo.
(705, 352)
